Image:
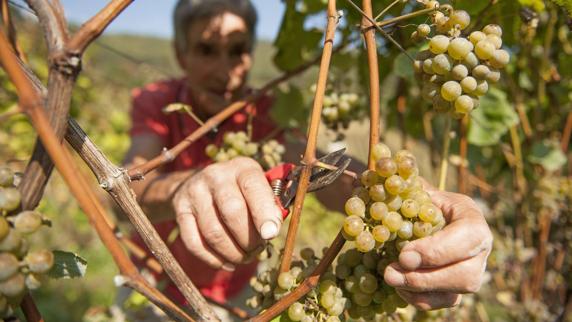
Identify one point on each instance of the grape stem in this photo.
(334, 168)
(445, 154)
(406, 16)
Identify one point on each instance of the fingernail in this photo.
(228, 267)
(269, 230)
(410, 260)
(393, 277)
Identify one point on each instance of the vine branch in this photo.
(310, 153)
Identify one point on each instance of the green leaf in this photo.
(67, 265)
(289, 109)
(294, 44)
(403, 66)
(492, 119)
(548, 155)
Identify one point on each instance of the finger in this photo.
(459, 240)
(233, 213)
(261, 202)
(430, 300)
(210, 226)
(196, 244)
(462, 277)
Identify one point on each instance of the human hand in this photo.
(434, 271)
(226, 211)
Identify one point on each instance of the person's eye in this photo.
(206, 49)
(238, 50)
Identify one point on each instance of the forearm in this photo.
(155, 193)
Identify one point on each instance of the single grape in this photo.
(484, 49)
(353, 226)
(477, 36)
(367, 283)
(406, 167)
(211, 151)
(351, 284)
(471, 60)
(422, 229)
(296, 311)
(451, 90)
(469, 84)
(40, 261)
(378, 211)
(250, 149)
(385, 167)
(480, 72)
(355, 207)
(422, 197)
(418, 66)
(343, 271)
(428, 212)
(327, 286)
(394, 203)
(362, 193)
(11, 242)
(482, 88)
(495, 40)
(307, 253)
(380, 150)
(9, 265)
(353, 257)
(459, 48)
(432, 4)
(27, 222)
(393, 221)
(500, 58)
(438, 44)
(423, 30)
(428, 66)
(368, 178)
(406, 230)
(377, 193)
(335, 310)
(361, 298)
(464, 104)
(365, 242)
(442, 64)
(493, 29)
(436, 79)
(380, 233)
(459, 72)
(409, 208)
(6, 177)
(13, 286)
(461, 18)
(9, 198)
(33, 281)
(394, 184)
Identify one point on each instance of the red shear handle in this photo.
(280, 172)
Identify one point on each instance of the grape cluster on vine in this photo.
(326, 303)
(268, 154)
(457, 70)
(339, 109)
(390, 206)
(20, 268)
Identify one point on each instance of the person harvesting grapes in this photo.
(225, 211)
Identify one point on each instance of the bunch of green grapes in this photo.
(325, 303)
(339, 109)
(456, 70)
(239, 144)
(20, 268)
(390, 206)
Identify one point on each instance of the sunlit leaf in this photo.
(67, 265)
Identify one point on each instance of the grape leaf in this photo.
(492, 119)
(548, 155)
(403, 66)
(67, 265)
(294, 43)
(289, 109)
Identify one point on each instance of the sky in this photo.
(153, 17)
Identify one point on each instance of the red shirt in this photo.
(147, 117)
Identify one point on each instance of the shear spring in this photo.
(277, 186)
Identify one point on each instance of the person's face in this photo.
(217, 60)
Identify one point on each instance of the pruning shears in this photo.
(284, 178)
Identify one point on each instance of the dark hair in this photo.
(188, 11)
